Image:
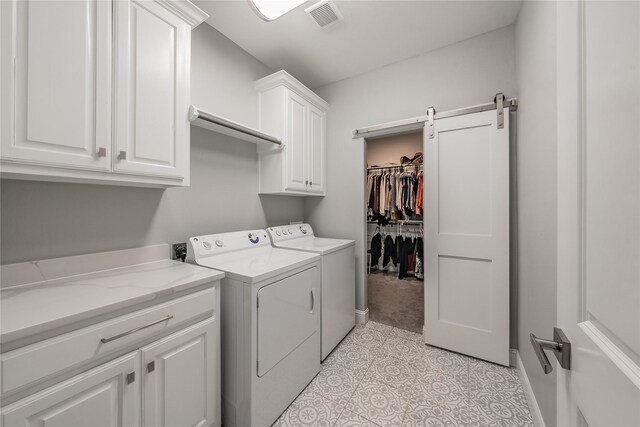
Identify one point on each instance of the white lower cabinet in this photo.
(172, 382)
(181, 378)
(108, 395)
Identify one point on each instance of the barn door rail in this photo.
(416, 123)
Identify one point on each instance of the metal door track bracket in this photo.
(499, 100)
(431, 112)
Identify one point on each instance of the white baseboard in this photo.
(362, 316)
(528, 391)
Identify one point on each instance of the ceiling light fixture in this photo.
(270, 10)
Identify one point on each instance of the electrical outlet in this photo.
(179, 251)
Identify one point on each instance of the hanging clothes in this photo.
(420, 196)
(390, 253)
(376, 248)
(419, 272)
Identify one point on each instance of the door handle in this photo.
(560, 346)
(134, 330)
(313, 299)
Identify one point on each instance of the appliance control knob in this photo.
(219, 243)
(303, 229)
(290, 232)
(278, 233)
(253, 238)
(207, 245)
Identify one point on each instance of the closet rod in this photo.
(393, 167)
(196, 114)
(416, 123)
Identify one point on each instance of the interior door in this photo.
(599, 211)
(466, 196)
(296, 143)
(56, 84)
(152, 99)
(288, 315)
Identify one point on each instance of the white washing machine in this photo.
(338, 289)
(270, 323)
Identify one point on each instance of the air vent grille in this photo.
(324, 13)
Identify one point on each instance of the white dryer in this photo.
(338, 290)
(270, 323)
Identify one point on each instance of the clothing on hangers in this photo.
(376, 248)
(389, 250)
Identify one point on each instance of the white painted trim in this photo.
(528, 391)
(513, 357)
(282, 78)
(362, 316)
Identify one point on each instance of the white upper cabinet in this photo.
(152, 95)
(292, 112)
(61, 83)
(96, 91)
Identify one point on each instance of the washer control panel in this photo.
(287, 232)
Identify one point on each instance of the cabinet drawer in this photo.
(31, 364)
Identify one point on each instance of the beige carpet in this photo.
(395, 302)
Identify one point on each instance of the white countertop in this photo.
(60, 300)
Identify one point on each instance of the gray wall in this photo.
(44, 220)
(467, 73)
(537, 180)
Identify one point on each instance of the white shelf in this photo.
(228, 127)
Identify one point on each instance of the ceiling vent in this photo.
(324, 13)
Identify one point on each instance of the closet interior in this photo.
(395, 233)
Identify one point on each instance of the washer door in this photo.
(288, 315)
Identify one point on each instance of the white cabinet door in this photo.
(466, 194)
(108, 396)
(152, 90)
(316, 150)
(296, 143)
(181, 380)
(56, 83)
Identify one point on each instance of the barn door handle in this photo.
(560, 346)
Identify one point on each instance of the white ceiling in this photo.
(373, 33)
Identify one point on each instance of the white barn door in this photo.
(466, 196)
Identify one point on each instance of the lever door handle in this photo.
(561, 348)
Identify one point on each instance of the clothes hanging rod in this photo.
(416, 123)
(229, 127)
(393, 167)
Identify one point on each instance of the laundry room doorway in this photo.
(394, 213)
(444, 212)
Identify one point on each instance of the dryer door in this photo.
(288, 315)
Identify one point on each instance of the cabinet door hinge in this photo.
(131, 377)
(151, 366)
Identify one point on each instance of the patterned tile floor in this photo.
(384, 376)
